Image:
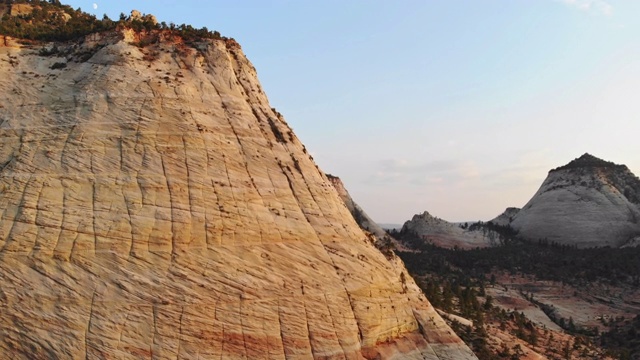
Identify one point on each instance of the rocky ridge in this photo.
(383, 241)
(442, 233)
(154, 205)
(506, 217)
(588, 202)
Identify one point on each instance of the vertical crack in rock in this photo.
(96, 249)
(333, 325)
(309, 332)
(88, 328)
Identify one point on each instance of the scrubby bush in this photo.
(59, 65)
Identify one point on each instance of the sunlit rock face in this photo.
(155, 206)
(588, 202)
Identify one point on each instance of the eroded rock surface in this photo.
(588, 202)
(506, 217)
(155, 206)
(442, 233)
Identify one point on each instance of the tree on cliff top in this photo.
(52, 21)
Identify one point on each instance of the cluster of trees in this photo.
(49, 21)
(588, 160)
(52, 21)
(623, 339)
(464, 299)
(452, 297)
(545, 260)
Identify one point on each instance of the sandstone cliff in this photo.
(155, 206)
(588, 202)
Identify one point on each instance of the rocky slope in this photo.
(383, 241)
(442, 233)
(588, 202)
(506, 217)
(155, 206)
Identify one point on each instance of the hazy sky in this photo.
(455, 107)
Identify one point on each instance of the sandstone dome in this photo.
(588, 202)
(154, 205)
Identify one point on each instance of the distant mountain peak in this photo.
(588, 161)
(587, 202)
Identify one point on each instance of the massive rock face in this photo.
(155, 206)
(588, 202)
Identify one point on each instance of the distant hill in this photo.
(445, 234)
(587, 202)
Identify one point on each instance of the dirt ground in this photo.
(590, 306)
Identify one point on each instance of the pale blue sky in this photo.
(455, 107)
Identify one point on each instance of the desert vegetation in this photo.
(455, 281)
(52, 21)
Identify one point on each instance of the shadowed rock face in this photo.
(155, 206)
(358, 213)
(442, 233)
(506, 217)
(588, 202)
(383, 241)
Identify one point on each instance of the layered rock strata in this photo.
(155, 206)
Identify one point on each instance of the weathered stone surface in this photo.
(588, 202)
(21, 9)
(155, 206)
(506, 217)
(137, 15)
(442, 233)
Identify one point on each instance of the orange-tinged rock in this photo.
(157, 207)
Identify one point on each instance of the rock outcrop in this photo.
(21, 9)
(442, 233)
(28, 9)
(138, 16)
(506, 217)
(155, 206)
(588, 202)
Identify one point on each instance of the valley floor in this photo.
(507, 302)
